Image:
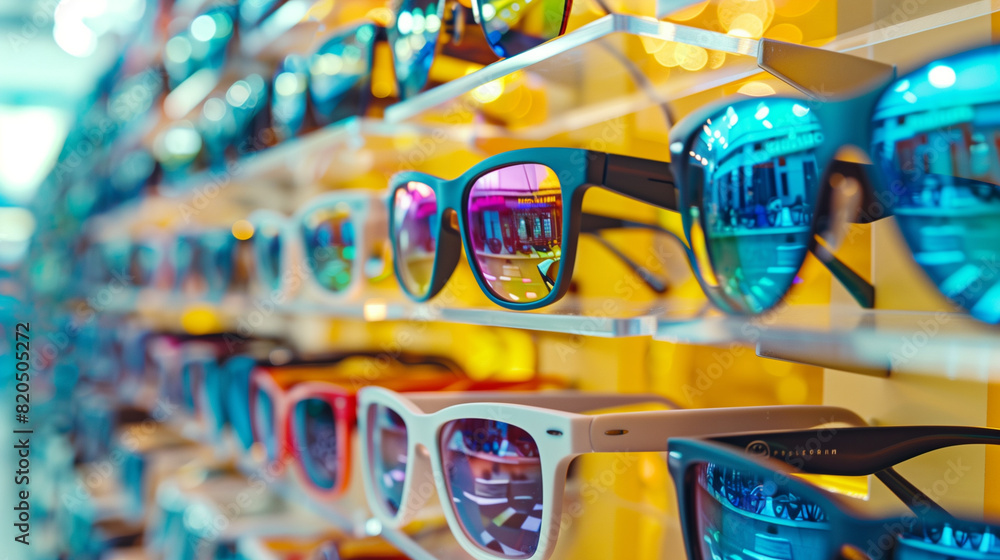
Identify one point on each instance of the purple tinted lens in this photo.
(515, 223)
(387, 445)
(740, 514)
(494, 478)
(316, 433)
(415, 236)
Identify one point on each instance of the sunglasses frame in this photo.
(577, 170)
(368, 218)
(850, 525)
(555, 421)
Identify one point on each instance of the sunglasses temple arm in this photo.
(860, 289)
(565, 401)
(645, 180)
(656, 284)
(918, 502)
(820, 73)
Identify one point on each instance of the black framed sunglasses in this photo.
(742, 496)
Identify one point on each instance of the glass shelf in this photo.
(872, 342)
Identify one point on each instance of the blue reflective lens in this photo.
(315, 428)
(288, 97)
(264, 428)
(752, 178)
(935, 139)
(238, 369)
(329, 239)
(340, 75)
(413, 39)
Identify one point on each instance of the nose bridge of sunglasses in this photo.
(821, 73)
(847, 187)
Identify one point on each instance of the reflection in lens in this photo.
(316, 436)
(263, 424)
(515, 225)
(288, 97)
(939, 541)
(754, 165)
(415, 233)
(387, 446)
(413, 39)
(743, 515)
(267, 254)
(330, 244)
(340, 75)
(935, 140)
(217, 261)
(494, 478)
(514, 27)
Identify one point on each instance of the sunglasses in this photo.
(329, 85)
(509, 28)
(309, 416)
(208, 263)
(748, 173)
(340, 235)
(743, 496)
(508, 211)
(501, 480)
(202, 45)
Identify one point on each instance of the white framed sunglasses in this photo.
(499, 460)
(329, 249)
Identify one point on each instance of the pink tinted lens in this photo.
(415, 233)
(494, 477)
(515, 227)
(387, 448)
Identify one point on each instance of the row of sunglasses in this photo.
(310, 90)
(498, 454)
(755, 181)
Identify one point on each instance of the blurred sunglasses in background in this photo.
(207, 263)
(340, 235)
(235, 122)
(750, 174)
(741, 496)
(509, 212)
(203, 45)
(510, 28)
(500, 460)
(330, 84)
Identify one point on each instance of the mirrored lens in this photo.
(514, 27)
(217, 250)
(316, 438)
(288, 98)
(415, 233)
(340, 75)
(515, 225)
(944, 541)
(330, 242)
(494, 477)
(413, 39)
(387, 448)
(264, 428)
(739, 514)
(935, 139)
(267, 246)
(753, 175)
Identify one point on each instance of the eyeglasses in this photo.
(741, 495)
(499, 460)
(341, 236)
(308, 414)
(207, 263)
(509, 212)
(509, 29)
(327, 86)
(749, 173)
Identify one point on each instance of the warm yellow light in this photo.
(382, 88)
(730, 12)
(691, 58)
(756, 89)
(787, 32)
(375, 311)
(489, 92)
(242, 230)
(716, 59)
(667, 55)
(689, 12)
(794, 8)
(200, 320)
(747, 25)
(792, 390)
(652, 45)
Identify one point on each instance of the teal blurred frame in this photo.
(859, 451)
(578, 170)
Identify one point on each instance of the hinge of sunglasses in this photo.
(820, 73)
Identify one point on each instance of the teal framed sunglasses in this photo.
(742, 497)
(754, 174)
